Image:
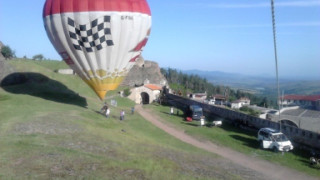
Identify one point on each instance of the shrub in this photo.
(7, 52)
(38, 57)
(126, 92)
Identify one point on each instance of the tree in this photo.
(38, 57)
(7, 52)
(264, 102)
(126, 92)
(250, 111)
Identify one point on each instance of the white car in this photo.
(217, 123)
(273, 139)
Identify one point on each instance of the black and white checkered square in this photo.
(93, 35)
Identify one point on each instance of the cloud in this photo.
(298, 4)
(301, 24)
(290, 24)
(312, 3)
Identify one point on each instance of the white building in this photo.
(198, 96)
(240, 103)
(145, 94)
(66, 71)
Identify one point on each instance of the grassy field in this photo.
(50, 128)
(240, 140)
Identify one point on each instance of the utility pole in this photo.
(276, 56)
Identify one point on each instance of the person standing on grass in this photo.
(104, 108)
(107, 112)
(171, 110)
(122, 115)
(132, 110)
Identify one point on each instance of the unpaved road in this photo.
(266, 168)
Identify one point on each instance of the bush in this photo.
(38, 57)
(126, 92)
(7, 52)
(249, 111)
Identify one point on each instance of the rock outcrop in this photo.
(144, 72)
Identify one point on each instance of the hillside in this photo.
(264, 85)
(50, 128)
(5, 68)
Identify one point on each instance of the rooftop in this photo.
(153, 87)
(302, 97)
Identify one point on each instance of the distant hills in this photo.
(262, 84)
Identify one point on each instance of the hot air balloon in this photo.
(99, 39)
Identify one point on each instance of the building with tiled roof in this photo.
(306, 101)
(153, 87)
(237, 104)
(145, 94)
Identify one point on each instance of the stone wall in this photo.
(308, 123)
(299, 136)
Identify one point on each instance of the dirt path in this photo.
(266, 168)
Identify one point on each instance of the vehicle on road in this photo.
(273, 139)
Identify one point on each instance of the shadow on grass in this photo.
(246, 141)
(174, 114)
(190, 124)
(38, 85)
(306, 162)
(229, 127)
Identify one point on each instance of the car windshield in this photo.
(280, 137)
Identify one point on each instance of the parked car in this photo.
(273, 139)
(195, 112)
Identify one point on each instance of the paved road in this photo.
(264, 167)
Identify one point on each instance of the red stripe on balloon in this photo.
(135, 58)
(64, 6)
(141, 45)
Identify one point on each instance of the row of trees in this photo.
(8, 53)
(184, 84)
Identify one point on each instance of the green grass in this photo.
(239, 140)
(50, 128)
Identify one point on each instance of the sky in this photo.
(211, 35)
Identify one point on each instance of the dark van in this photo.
(195, 112)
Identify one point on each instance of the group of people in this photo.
(106, 110)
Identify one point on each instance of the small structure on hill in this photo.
(237, 104)
(66, 71)
(198, 96)
(218, 99)
(145, 94)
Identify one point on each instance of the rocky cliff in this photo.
(144, 72)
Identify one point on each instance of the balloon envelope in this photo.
(99, 39)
